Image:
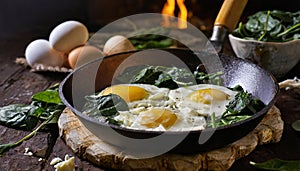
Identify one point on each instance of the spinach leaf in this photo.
(165, 80)
(276, 26)
(243, 104)
(126, 76)
(278, 164)
(223, 121)
(45, 107)
(138, 44)
(104, 107)
(232, 119)
(47, 96)
(182, 76)
(147, 76)
(27, 116)
(6, 147)
(151, 38)
(212, 78)
(14, 115)
(167, 77)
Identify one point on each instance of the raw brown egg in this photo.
(82, 55)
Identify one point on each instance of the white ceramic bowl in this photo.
(277, 57)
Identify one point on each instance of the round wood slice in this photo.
(89, 147)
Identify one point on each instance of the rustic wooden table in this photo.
(17, 84)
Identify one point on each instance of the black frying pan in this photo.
(98, 74)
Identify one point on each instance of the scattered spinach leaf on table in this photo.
(6, 147)
(27, 116)
(278, 164)
(45, 107)
(17, 115)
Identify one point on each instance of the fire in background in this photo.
(169, 10)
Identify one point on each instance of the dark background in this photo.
(19, 16)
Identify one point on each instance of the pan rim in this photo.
(153, 132)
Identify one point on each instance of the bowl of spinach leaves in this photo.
(270, 39)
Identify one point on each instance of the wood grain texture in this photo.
(89, 147)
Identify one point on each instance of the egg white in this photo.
(190, 114)
(192, 108)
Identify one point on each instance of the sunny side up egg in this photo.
(202, 99)
(161, 109)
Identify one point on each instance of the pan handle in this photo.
(227, 18)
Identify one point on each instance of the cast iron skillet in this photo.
(98, 74)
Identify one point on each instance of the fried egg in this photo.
(202, 99)
(185, 108)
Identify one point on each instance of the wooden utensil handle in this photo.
(230, 13)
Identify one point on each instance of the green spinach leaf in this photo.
(14, 115)
(6, 147)
(47, 96)
(147, 76)
(104, 107)
(243, 104)
(278, 164)
(27, 116)
(211, 78)
(45, 107)
(165, 80)
(167, 77)
(151, 38)
(276, 26)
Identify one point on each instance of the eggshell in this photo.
(117, 44)
(68, 35)
(40, 52)
(82, 55)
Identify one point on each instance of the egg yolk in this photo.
(154, 117)
(128, 93)
(208, 95)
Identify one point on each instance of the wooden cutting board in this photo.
(89, 147)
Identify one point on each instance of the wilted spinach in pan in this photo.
(151, 38)
(242, 107)
(104, 108)
(270, 26)
(168, 77)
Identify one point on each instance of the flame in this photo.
(168, 10)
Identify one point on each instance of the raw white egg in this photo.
(82, 55)
(68, 35)
(40, 52)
